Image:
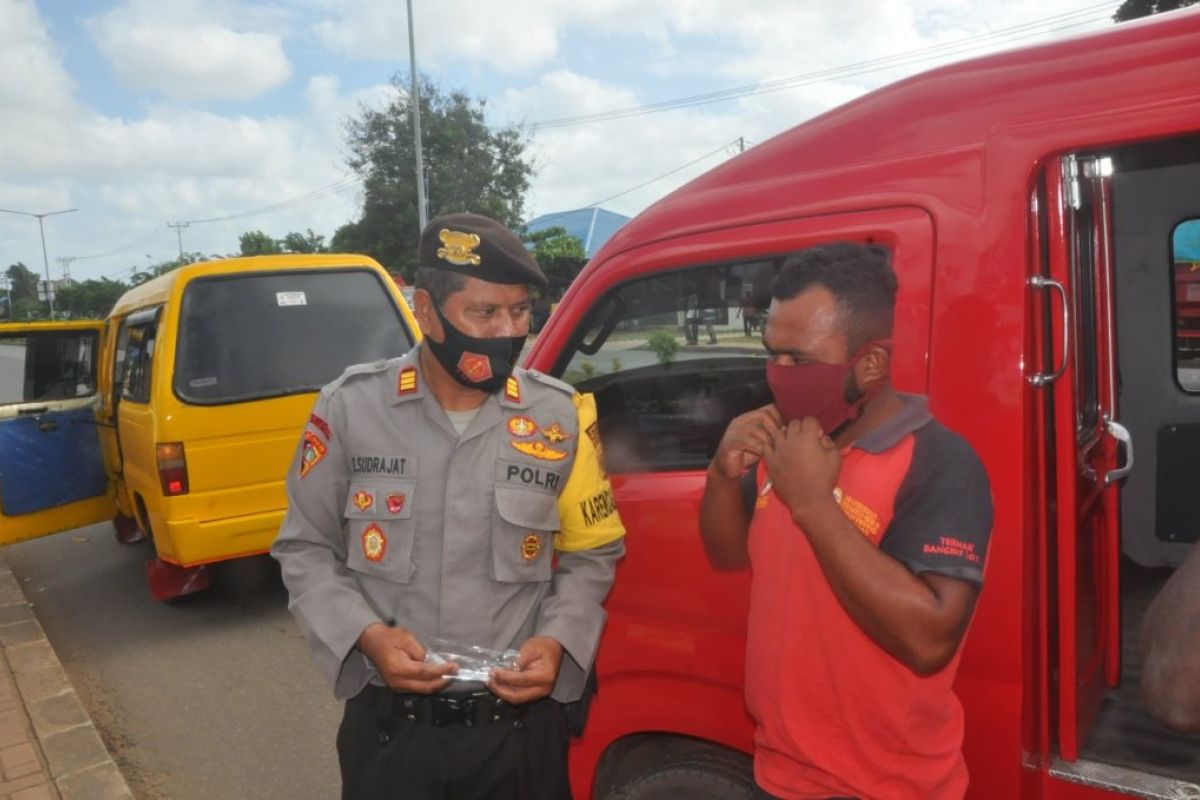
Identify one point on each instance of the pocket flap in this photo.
(383, 500)
(528, 509)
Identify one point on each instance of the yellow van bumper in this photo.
(189, 543)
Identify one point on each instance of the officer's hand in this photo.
(803, 464)
(746, 439)
(536, 673)
(400, 659)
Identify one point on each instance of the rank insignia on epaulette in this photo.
(363, 500)
(531, 545)
(512, 390)
(395, 502)
(374, 543)
(477, 368)
(555, 433)
(314, 450)
(539, 450)
(407, 383)
(521, 426)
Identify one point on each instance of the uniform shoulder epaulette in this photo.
(355, 370)
(546, 380)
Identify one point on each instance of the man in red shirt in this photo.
(865, 523)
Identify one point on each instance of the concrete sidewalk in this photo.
(49, 747)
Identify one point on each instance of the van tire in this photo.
(706, 774)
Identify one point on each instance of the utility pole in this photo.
(6, 285)
(741, 144)
(414, 97)
(65, 263)
(45, 258)
(179, 226)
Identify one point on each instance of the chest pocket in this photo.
(379, 528)
(523, 527)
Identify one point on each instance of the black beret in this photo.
(474, 245)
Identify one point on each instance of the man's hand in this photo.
(803, 464)
(400, 659)
(746, 439)
(537, 670)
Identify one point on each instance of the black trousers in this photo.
(383, 756)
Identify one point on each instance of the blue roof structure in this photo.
(593, 226)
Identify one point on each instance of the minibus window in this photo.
(139, 362)
(256, 335)
(1185, 266)
(1087, 387)
(671, 359)
(47, 365)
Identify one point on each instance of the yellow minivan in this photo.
(179, 414)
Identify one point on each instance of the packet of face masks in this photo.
(474, 663)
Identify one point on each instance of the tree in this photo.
(468, 166)
(141, 276)
(257, 243)
(89, 299)
(1135, 9)
(560, 255)
(23, 283)
(307, 242)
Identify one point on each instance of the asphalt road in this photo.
(211, 696)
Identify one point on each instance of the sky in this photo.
(229, 114)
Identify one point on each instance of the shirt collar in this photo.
(913, 415)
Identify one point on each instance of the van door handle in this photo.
(32, 412)
(1122, 435)
(1041, 379)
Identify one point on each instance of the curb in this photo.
(74, 755)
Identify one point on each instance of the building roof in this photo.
(593, 226)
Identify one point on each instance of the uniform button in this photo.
(383, 737)
(408, 703)
(518, 725)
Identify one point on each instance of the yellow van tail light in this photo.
(172, 468)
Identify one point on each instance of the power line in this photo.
(1082, 16)
(667, 174)
(283, 205)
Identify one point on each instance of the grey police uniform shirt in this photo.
(394, 517)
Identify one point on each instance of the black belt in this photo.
(476, 708)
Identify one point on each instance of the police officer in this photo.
(447, 494)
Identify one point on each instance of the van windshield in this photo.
(250, 336)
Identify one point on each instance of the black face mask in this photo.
(476, 363)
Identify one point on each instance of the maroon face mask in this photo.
(818, 390)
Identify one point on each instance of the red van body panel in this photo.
(962, 147)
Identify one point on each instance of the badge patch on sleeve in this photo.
(531, 545)
(555, 433)
(363, 500)
(374, 543)
(539, 450)
(314, 450)
(321, 425)
(395, 502)
(521, 426)
(475, 367)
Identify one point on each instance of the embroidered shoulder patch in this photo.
(312, 453)
(321, 425)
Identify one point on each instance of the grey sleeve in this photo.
(573, 612)
(311, 550)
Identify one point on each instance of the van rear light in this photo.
(172, 468)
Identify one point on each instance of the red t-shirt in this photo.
(836, 714)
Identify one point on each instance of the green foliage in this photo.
(587, 368)
(560, 255)
(468, 166)
(307, 242)
(90, 299)
(617, 366)
(1135, 9)
(141, 276)
(20, 299)
(665, 346)
(257, 243)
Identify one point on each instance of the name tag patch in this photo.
(388, 466)
(529, 476)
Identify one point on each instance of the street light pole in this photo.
(414, 97)
(45, 258)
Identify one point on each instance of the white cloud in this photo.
(173, 48)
